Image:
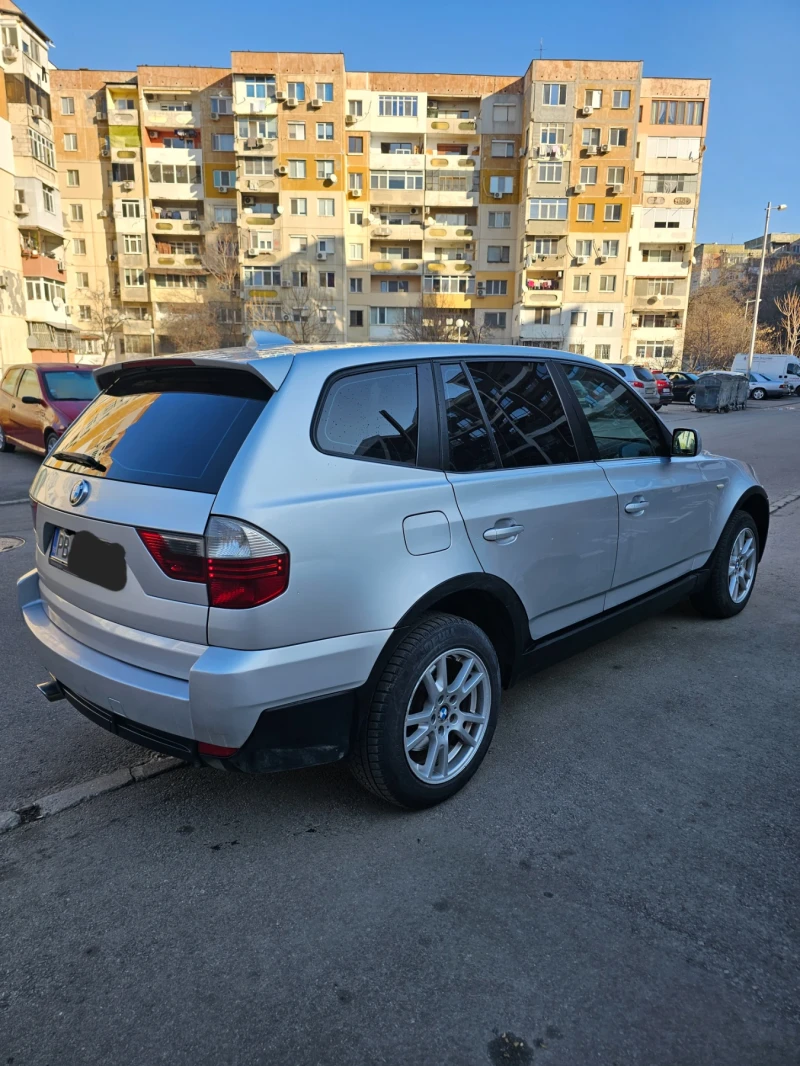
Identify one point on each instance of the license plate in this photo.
(59, 547)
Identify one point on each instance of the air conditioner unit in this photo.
(251, 251)
(221, 189)
(616, 187)
(105, 150)
(9, 53)
(681, 247)
(248, 200)
(604, 147)
(355, 193)
(21, 209)
(286, 317)
(112, 258)
(581, 260)
(36, 111)
(291, 101)
(578, 189)
(602, 259)
(215, 116)
(126, 186)
(286, 284)
(322, 256)
(104, 213)
(350, 120)
(316, 102)
(280, 96)
(498, 195)
(591, 149)
(588, 110)
(280, 171)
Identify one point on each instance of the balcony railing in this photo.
(171, 120)
(455, 183)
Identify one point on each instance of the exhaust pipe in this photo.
(51, 690)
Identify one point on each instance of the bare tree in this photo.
(789, 307)
(220, 257)
(300, 313)
(105, 320)
(190, 328)
(716, 329)
(433, 321)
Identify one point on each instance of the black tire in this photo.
(50, 440)
(5, 445)
(758, 394)
(692, 398)
(715, 600)
(379, 761)
(658, 406)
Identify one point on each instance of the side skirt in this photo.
(552, 649)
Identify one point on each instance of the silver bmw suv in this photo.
(265, 561)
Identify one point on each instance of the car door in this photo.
(30, 417)
(539, 513)
(667, 505)
(9, 401)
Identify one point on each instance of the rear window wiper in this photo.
(82, 459)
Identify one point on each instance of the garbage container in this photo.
(720, 390)
(742, 391)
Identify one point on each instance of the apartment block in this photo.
(554, 209)
(35, 318)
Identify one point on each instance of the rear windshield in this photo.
(71, 384)
(177, 429)
(643, 374)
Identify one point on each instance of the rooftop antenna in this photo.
(541, 46)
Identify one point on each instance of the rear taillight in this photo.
(637, 384)
(240, 565)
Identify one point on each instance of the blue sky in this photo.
(750, 50)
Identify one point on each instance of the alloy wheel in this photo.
(447, 716)
(742, 565)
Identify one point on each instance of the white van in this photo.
(782, 367)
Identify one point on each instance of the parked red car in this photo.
(39, 400)
(664, 386)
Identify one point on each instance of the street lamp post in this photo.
(778, 207)
(459, 326)
(152, 342)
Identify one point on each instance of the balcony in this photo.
(442, 123)
(394, 266)
(542, 297)
(410, 232)
(683, 237)
(249, 146)
(396, 161)
(257, 183)
(138, 327)
(169, 120)
(545, 227)
(249, 105)
(123, 118)
(454, 162)
(678, 269)
(436, 232)
(163, 259)
(449, 266)
(388, 197)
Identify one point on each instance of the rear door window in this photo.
(10, 381)
(29, 386)
(470, 447)
(176, 429)
(524, 411)
(371, 414)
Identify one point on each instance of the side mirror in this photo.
(685, 442)
(33, 399)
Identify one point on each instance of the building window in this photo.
(499, 220)
(324, 131)
(355, 145)
(494, 319)
(610, 249)
(133, 244)
(391, 316)
(298, 205)
(355, 182)
(355, 251)
(395, 179)
(660, 286)
(257, 127)
(355, 108)
(84, 312)
(356, 218)
(586, 212)
(356, 317)
(255, 276)
(42, 149)
(613, 213)
(502, 149)
(545, 246)
(73, 178)
(448, 283)
(79, 246)
(554, 94)
(67, 105)
(300, 279)
(398, 106)
(297, 168)
(222, 142)
(659, 321)
(550, 172)
(621, 99)
(654, 350)
(123, 172)
(298, 244)
(76, 212)
(583, 248)
(229, 316)
(49, 202)
(133, 277)
(577, 318)
(552, 133)
(503, 114)
(504, 185)
(616, 176)
(131, 209)
(326, 206)
(127, 103)
(496, 288)
(224, 214)
(260, 165)
(602, 351)
(580, 282)
(593, 98)
(223, 179)
(588, 175)
(259, 87)
(297, 131)
(324, 169)
(618, 135)
(608, 283)
(676, 112)
(547, 209)
(70, 142)
(605, 318)
(498, 253)
(324, 91)
(44, 289)
(327, 279)
(576, 349)
(221, 105)
(81, 279)
(590, 136)
(297, 89)
(394, 285)
(356, 285)
(541, 316)
(670, 183)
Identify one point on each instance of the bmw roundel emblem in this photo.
(78, 493)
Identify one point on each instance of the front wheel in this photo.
(657, 406)
(759, 394)
(432, 714)
(692, 397)
(5, 446)
(50, 441)
(733, 569)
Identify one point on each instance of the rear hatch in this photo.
(649, 382)
(149, 455)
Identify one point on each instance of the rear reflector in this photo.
(240, 565)
(215, 749)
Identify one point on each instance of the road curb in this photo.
(784, 501)
(13, 503)
(57, 802)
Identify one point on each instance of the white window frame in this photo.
(133, 278)
(551, 89)
(67, 105)
(580, 282)
(76, 174)
(296, 131)
(297, 169)
(70, 142)
(323, 90)
(493, 216)
(507, 151)
(76, 212)
(131, 208)
(132, 243)
(586, 212)
(605, 319)
(217, 137)
(608, 283)
(495, 319)
(582, 250)
(327, 133)
(578, 318)
(585, 178)
(297, 89)
(397, 105)
(552, 173)
(610, 249)
(502, 183)
(504, 114)
(323, 204)
(590, 136)
(555, 209)
(621, 99)
(325, 169)
(612, 213)
(556, 129)
(618, 136)
(593, 98)
(298, 205)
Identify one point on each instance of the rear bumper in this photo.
(227, 693)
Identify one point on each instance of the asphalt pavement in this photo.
(617, 885)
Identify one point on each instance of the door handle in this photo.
(637, 505)
(502, 532)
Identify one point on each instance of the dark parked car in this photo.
(683, 386)
(664, 386)
(39, 401)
